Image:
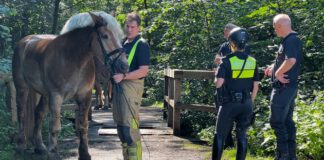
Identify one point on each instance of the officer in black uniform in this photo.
(284, 73)
(225, 49)
(237, 86)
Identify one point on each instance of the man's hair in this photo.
(283, 19)
(133, 17)
(230, 26)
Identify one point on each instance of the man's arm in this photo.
(219, 82)
(285, 67)
(141, 72)
(255, 90)
(268, 71)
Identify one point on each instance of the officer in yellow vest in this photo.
(237, 85)
(128, 89)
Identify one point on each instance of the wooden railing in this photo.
(172, 95)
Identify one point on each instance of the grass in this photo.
(228, 154)
(231, 153)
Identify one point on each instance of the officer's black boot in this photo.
(241, 149)
(217, 147)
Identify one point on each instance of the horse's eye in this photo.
(104, 36)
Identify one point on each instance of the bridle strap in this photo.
(104, 52)
(100, 42)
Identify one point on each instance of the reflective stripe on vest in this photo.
(132, 52)
(237, 64)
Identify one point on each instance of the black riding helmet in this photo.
(239, 37)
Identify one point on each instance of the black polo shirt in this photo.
(225, 72)
(142, 53)
(290, 47)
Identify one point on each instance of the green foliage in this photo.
(192, 122)
(5, 65)
(310, 124)
(7, 128)
(5, 38)
(207, 134)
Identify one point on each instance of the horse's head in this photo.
(107, 42)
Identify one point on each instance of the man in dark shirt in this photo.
(225, 48)
(284, 73)
(128, 89)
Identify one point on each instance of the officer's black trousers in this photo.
(282, 104)
(240, 113)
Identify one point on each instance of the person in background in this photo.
(224, 48)
(129, 87)
(284, 73)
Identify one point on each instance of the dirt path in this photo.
(157, 140)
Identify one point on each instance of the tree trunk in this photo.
(25, 26)
(146, 22)
(55, 15)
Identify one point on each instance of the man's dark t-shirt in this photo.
(142, 53)
(290, 47)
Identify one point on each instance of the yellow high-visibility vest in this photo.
(237, 64)
(132, 52)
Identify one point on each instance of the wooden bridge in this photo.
(172, 95)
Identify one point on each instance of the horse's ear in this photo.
(98, 20)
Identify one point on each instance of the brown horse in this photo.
(49, 69)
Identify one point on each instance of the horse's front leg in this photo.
(55, 103)
(81, 117)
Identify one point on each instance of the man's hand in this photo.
(118, 77)
(268, 71)
(281, 77)
(218, 59)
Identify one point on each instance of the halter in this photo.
(107, 56)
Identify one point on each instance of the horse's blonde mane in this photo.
(84, 19)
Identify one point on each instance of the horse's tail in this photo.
(29, 120)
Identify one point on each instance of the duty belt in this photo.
(236, 97)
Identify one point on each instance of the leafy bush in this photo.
(192, 122)
(7, 128)
(310, 124)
